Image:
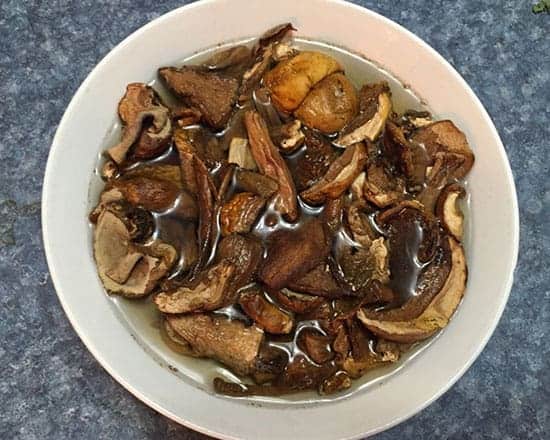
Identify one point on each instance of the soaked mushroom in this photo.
(296, 231)
(330, 105)
(291, 80)
(210, 92)
(374, 108)
(125, 267)
(340, 175)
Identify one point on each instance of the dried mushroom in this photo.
(374, 108)
(294, 229)
(340, 175)
(210, 92)
(291, 80)
(330, 105)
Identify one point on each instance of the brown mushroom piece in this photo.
(208, 292)
(265, 314)
(293, 253)
(256, 183)
(230, 57)
(445, 137)
(288, 136)
(157, 171)
(449, 212)
(296, 302)
(239, 214)
(439, 310)
(339, 381)
(292, 79)
(174, 341)
(316, 345)
(381, 187)
(330, 105)
(319, 282)
(244, 252)
(374, 108)
(340, 175)
(271, 164)
(229, 342)
(357, 220)
(410, 158)
(315, 161)
(158, 134)
(124, 267)
(134, 110)
(212, 93)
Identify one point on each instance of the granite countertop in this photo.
(51, 387)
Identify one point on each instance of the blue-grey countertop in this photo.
(51, 387)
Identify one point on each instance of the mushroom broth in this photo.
(368, 298)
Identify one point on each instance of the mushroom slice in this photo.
(159, 132)
(292, 253)
(340, 175)
(289, 137)
(316, 345)
(151, 194)
(150, 141)
(256, 183)
(161, 171)
(361, 358)
(208, 292)
(239, 153)
(296, 302)
(436, 315)
(265, 314)
(213, 94)
(390, 351)
(175, 341)
(374, 108)
(239, 213)
(275, 35)
(124, 267)
(445, 137)
(319, 282)
(271, 164)
(330, 105)
(381, 187)
(448, 211)
(232, 56)
(357, 219)
(244, 252)
(312, 165)
(291, 80)
(339, 381)
(230, 342)
(409, 157)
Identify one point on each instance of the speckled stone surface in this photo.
(51, 387)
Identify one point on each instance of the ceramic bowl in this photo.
(132, 353)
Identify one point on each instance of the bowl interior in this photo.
(86, 128)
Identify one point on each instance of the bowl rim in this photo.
(49, 245)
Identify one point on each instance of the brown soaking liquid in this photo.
(171, 227)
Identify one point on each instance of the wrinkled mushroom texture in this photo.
(359, 225)
(256, 183)
(315, 345)
(175, 341)
(212, 93)
(206, 294)
(340, 175)
(319, 282)
(409, 157)
(445, 137)
(271, 164)
(229, 342)
(151, 194)
(156, 140)
(381, 187)
(161, 171)
(291, 80)
(293, 253)
(239, 154)
(126, 268)
(265, 314)
(296, 302)
(330, 105)
(239, 214)
(339, 381)
(374, 108)
(141, 98)
(448, 210)
(289, 136)
(436, 315)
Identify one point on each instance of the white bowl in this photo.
(492, 249)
